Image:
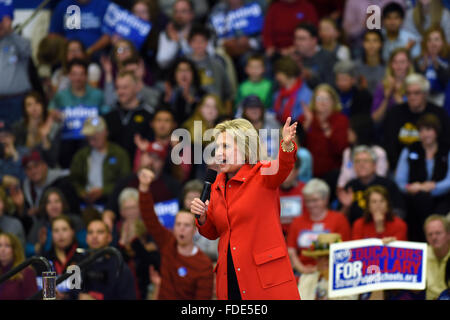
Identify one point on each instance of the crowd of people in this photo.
(86, 149)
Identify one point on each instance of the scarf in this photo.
(285, 101)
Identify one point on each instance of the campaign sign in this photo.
(74, 118)
(166, 212)
(121, 22)
(368, 265)
(246, 20)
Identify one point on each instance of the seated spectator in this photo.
(10, 156)
(437, 232)
(394, 35)
(425, 14)
(38, 129)
(74, 49)
(400, 126)
(326, 137)
(370, 68)
(183, 89)
(281, 19)
(72, 106)
(361, 132)
(316, 64)
(316, 219)
(94, 284)
(445, 295)
(96, 168)
(354, 100)
(293, 91)
(434, 63)
(256, 83)
(329, 35)
(39, 177)
(149, 95)
(14, 61)
(378, 220)
(391, 91)
(52, 205)
(164, 187)
(212, 72)
(130, 116)
(351, 196)
(423, 174)
(23, 284)
(191, 190)
(253, 110)
(291, 198)
(180, 258)
(173, 41)
(135, 243)
(63, 251)
(90, 33)
(314, 286)
(9, 223)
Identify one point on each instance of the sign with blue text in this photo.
(121, 22)
(368, 265)
(166, 212)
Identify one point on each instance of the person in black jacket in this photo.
(423, 174)
(400, 126)
(99, 281)
(353, 99)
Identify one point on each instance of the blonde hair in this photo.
(390, 72)
(434, 217)
(246, 137)
(337, 106)
(445, 50)
(128, 193)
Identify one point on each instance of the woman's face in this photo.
(400, 65)
(183, 75)
(141, 11)
(54, 206)
(6, 251)
(427, 135)
(324, 104)
(316, 204)
(435, 43)
(372, 44)
(33, 108)
(129, 209)
(74, 51)
(327, 31)
(253, 114)
(208, 110)
(377, 204)
(62, 234)
(123, 51)
(227, 154)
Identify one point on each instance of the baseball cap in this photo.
(252, 101)
(33, 156)
(93, 125)
(157, 149)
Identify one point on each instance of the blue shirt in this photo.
(92, 14)
(402, 174)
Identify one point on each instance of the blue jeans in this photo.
(11, 109)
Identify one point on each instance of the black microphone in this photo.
(209, 180)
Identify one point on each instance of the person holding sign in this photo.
(244, 213)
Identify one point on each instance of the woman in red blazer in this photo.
(378, 220)
(244, 212)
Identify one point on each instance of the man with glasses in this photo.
(400, 128)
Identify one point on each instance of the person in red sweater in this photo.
(326, 133)
(316, 219)
(186, 272)
(379, 221)
(281, 19)
(22, 285)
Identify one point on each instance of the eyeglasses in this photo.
(415, 93)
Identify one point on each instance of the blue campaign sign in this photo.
(166, 212)
(74, 118)
(369, 265)
(119, 21)
(247, 20)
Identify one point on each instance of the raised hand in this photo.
(289, 133)
(146, 177)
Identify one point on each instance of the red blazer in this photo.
(247, 216)
(327, 152)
